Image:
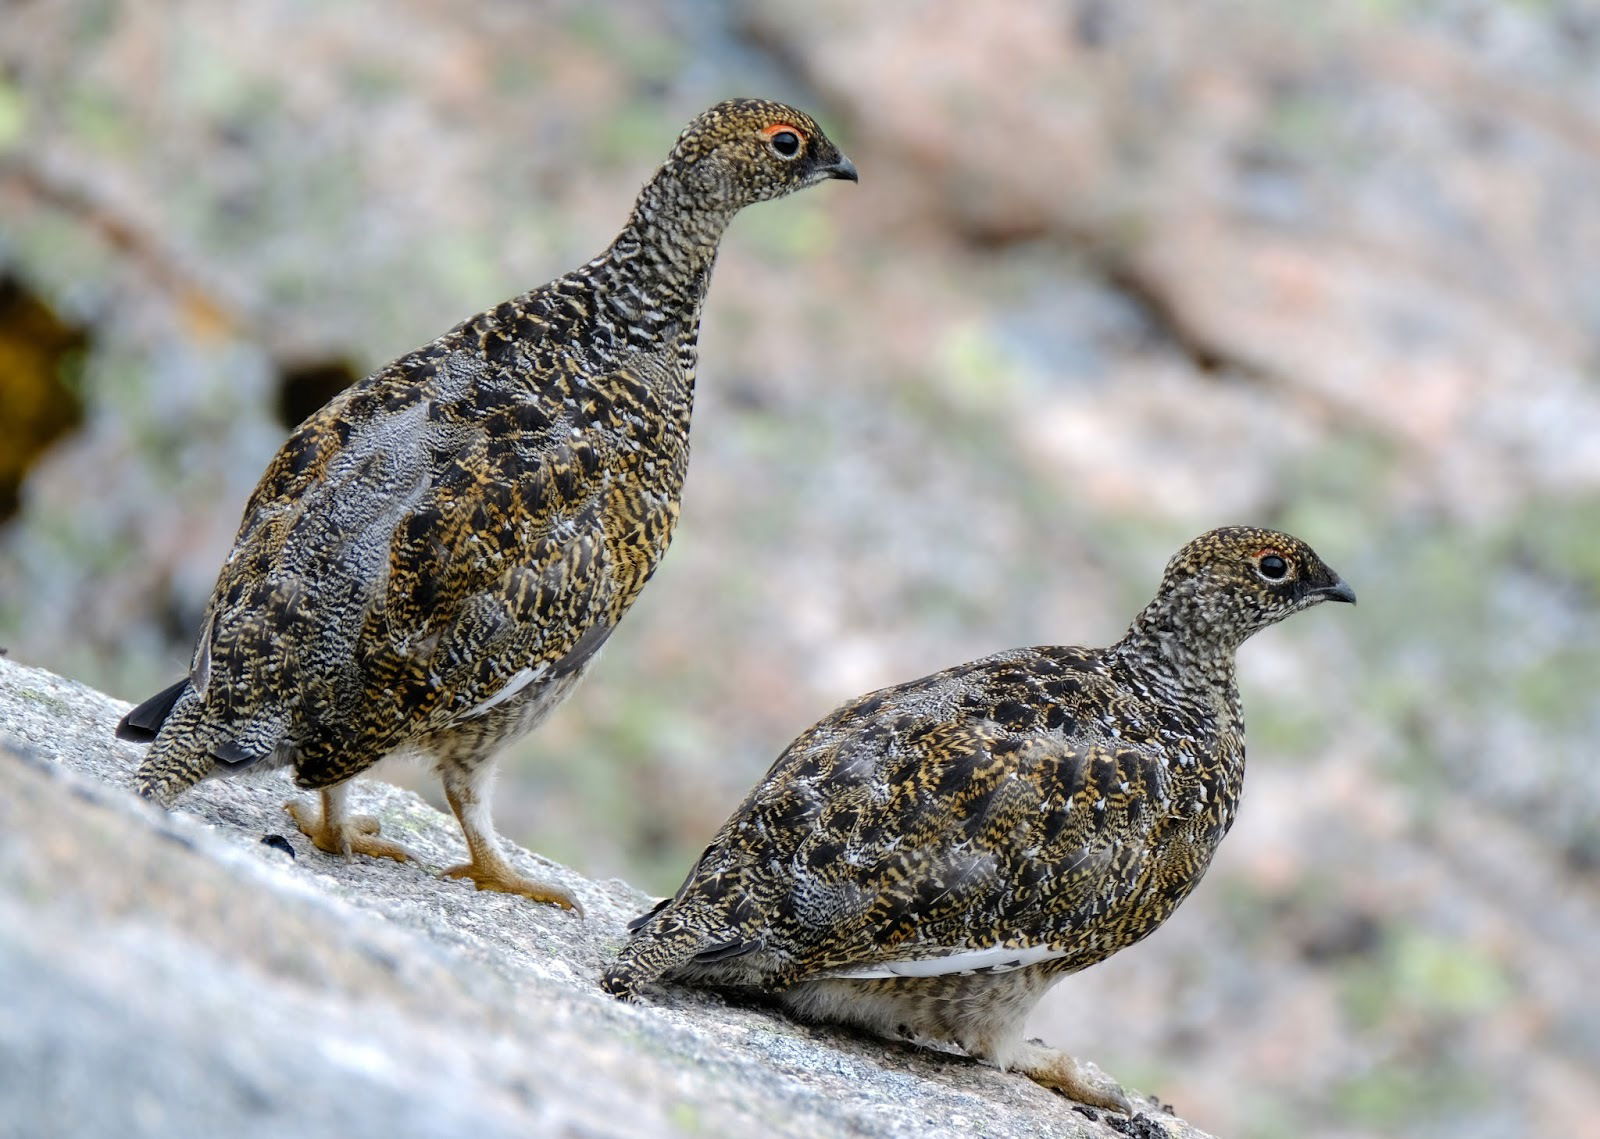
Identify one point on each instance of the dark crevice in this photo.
(1166, 323)
(40, 354)
(1221, 362)
(1175, 329)
(995, 234)
(1020, 227)
(305, 387)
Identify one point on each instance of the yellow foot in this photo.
(1055, 1069)
(508, 881)
(357, 834)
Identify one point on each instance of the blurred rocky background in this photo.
(1115, 274)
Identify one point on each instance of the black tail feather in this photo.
(235, 753)
(143, 723)
(728, 950)
(638, 923)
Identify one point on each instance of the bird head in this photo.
(1233, 582)
(750, 150)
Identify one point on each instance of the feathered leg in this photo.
(333, 831)
(180, 757)
(467, 785)
(986, 1015)
(649, 956)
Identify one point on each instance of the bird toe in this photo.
(507, 881)
(1059, 1071)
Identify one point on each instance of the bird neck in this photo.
(1179, 642)
(652, 279)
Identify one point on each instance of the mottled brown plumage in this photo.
(928, 860)
(432, 560)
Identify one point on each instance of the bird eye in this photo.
(1272, 566)
(784, 143)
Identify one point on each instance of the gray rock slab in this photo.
(169, 974)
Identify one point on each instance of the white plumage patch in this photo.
(992, 959)
(519, 680)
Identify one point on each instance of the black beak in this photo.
(1338, 591)
(844, 169)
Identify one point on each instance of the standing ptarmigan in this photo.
(432, 560)
(929, 859)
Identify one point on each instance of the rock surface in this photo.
(172, 974)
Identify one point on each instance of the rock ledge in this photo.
(173, 975)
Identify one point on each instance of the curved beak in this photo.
(843, 168)
(1338, 591)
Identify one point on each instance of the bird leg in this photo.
(467, 789)
(1055, 1069)
(333, 831)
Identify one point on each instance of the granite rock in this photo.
(185, 974)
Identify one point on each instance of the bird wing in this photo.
(418, 552)
(1004, 849)
(936, 842)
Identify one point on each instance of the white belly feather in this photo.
(991, 959)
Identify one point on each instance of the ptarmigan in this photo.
(929, 859)
(433, 559)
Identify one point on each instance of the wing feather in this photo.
(912, 835)
(420, 552)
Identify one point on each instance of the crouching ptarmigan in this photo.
(432, 560)
(928, 860)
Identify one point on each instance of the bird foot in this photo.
(1055, 1069)
(355, 834)
(503, 878)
